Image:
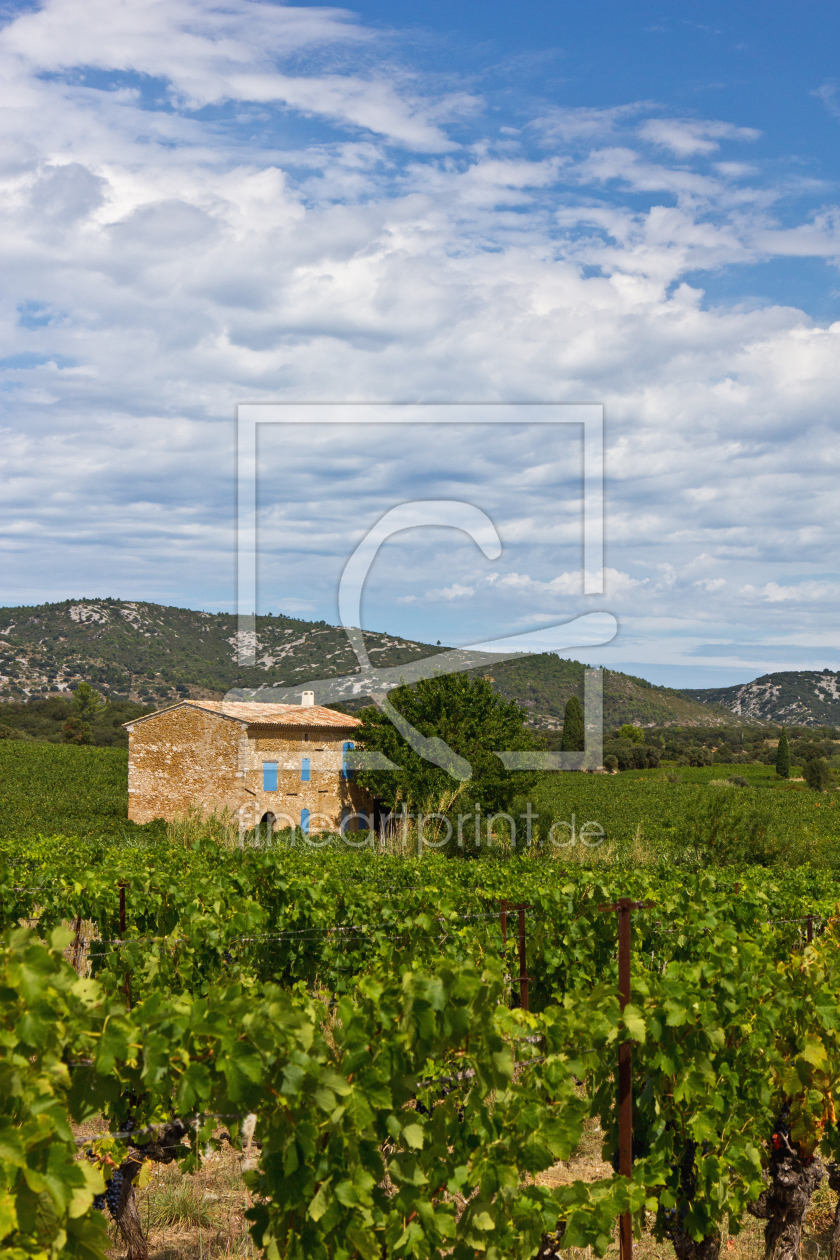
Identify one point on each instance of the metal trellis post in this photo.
(625, 1063)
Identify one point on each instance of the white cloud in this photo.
(455, 591)
(690, 137)
(801, 592)
(319, 229)
(828, 94)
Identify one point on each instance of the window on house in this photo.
(304, 821)
(269, 776)
(304, 770)
(346, 771)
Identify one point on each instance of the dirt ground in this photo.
(201, 1216)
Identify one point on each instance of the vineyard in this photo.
(658, 815)
(404, 1047)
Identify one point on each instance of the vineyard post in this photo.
(625, 1063)
(810, 928)
(523, 971)
(122, 937)
(77, 941)
(504, 921)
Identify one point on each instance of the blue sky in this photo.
(637, 205)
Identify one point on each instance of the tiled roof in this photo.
(264, 714)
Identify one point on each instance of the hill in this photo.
(152, 654)
(790, 698)
(542, 684)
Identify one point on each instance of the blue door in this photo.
(304, 821)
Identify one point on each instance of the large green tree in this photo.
(473, 721)
(574, 731)
(783, 757)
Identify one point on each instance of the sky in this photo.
(632, 205)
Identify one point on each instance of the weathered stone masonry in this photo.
(217, 755)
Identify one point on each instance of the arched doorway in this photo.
(267, 825)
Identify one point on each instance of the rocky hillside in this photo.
(151, 654)
(791, 698)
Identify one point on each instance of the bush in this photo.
(695, 755)
(630, 756)
(621, 750)
(645, 757)
(611, 763)
(721, 827)
(818, 774)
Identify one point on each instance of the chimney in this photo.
(308, 699)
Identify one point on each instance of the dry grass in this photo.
(199, 1216)
(220, 826)
(586, 1165)
(202, 1216)
(194, 1217)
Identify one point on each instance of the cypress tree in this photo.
(574, 731)
(783, 757)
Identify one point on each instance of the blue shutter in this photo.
(304, 770)
(269, 776)
(304, 821)
(346, 771)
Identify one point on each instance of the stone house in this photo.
(276, 764)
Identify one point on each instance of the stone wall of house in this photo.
(187, 757)
(326, 795)
(181, 758)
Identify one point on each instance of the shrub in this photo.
(621, 750)
(695, 755)
(722, 827)
(611, 763)
(75, 731)
(818, 774)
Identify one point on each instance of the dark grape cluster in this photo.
(99, 1202)
(667, 1221)
(113, 1191)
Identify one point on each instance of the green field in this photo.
(63, 789)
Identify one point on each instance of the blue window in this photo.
(304, 770)
(346, 771)
(304, 821)
(269, 776)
